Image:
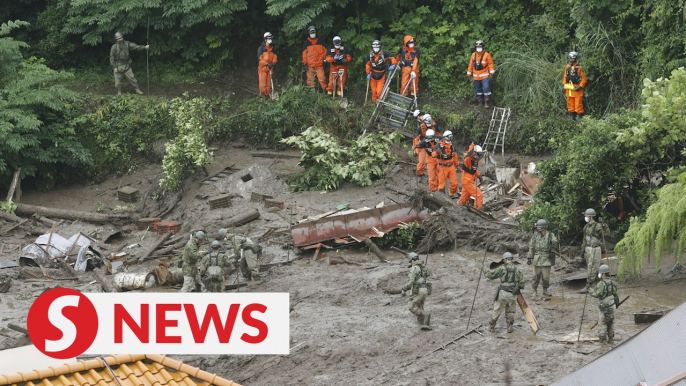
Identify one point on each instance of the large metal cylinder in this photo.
(124, 281)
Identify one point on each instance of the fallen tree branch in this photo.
(375, 250)
(104, 284)
(29, 210)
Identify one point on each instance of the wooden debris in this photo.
(18, 328)
(128, 194)
(258, 197)
(243, 218)
(375, 250)
(513, 188)
(271, 203)
(104, 284)
(648, 317)
(234, 286)
(528, 314)
(177, 243)
(220, 201)
(28, 210)
(154, 247)
(399, 250)
(15, 187)
(336, 260)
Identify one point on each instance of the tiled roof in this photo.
(131, 370)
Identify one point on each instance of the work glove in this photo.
(369, 76)
(391, 68)
(578, 88)
(528, 261)
(270, 65)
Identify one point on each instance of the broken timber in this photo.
(104, 284)
(528, 314)
(445, 345)
(243, 218)
(28, 210)
(375, 250)
(157, 244)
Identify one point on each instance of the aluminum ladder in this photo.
(496, 131)
(392, 110)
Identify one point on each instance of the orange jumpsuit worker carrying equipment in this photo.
(338, 57)
(446, 156)
(408, 59)
(267, 59)
(481, 68)
(376, 67)
(574, 83)
(419, 135)
(469, 176)
(429, 144)
(314, 56)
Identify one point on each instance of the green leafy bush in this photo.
(187, 151)
(327, 164)
(405, 237)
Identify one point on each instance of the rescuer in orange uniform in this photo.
(574, 83)
(481, 68)
(267, 59)
(431, 138)
(338, 57)
(314, 56)
(469, 176)
(446, 157)
(408, 59)
(376, 66)
(419, 135)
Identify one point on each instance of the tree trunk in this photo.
(375, 250)
(179, 243)
(65, 214)
(243, 218)
(106, 285)
(154, 247)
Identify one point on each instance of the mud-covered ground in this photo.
(344, 328)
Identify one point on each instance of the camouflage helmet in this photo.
(507, 256)
(118, 35)
(590, 212)
(604, 269)
(200, 235)
(541, 223)
(222, 233)
(412, 256)
(216, 244)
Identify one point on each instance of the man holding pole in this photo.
(416, 280)
(511, 283)
(120, 60)
(606, 293)
(593, 238)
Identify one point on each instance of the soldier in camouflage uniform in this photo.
(511, 283)
(606, 292)
(249, 253)
(594, 237)
(416, 280)
(190, 258)
(541, 253)
(120, 60)
(212, 266)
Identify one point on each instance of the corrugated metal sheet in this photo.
(655, 354)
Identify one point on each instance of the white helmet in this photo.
(430, 133)
(416, 113)
(337, 40)
(427, 119)
(478, 149)
(268, 35)
(448, 136)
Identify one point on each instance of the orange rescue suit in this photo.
(314, 54)
(425, 154)
(575, 74)
(264, 57)
(468, 179)
(408, 58)
(446, 157)
(376, 66)
(337, 65)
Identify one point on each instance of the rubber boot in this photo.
(330, 92)
(486, 105)
(602, 339)
(535, 293)
(510, 326)
(427, 320)
(572, 116)
(420, 318)
(579, 116)
(546, 293)
(139, 92)
(480, 103)
(491, 325)
(611, 337)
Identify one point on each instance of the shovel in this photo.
(273, 95)
(344, 101)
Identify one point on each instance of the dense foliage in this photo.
(32, 107)
(327, 163)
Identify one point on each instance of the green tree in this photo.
(32, 105)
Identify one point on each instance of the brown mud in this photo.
(344, 328)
